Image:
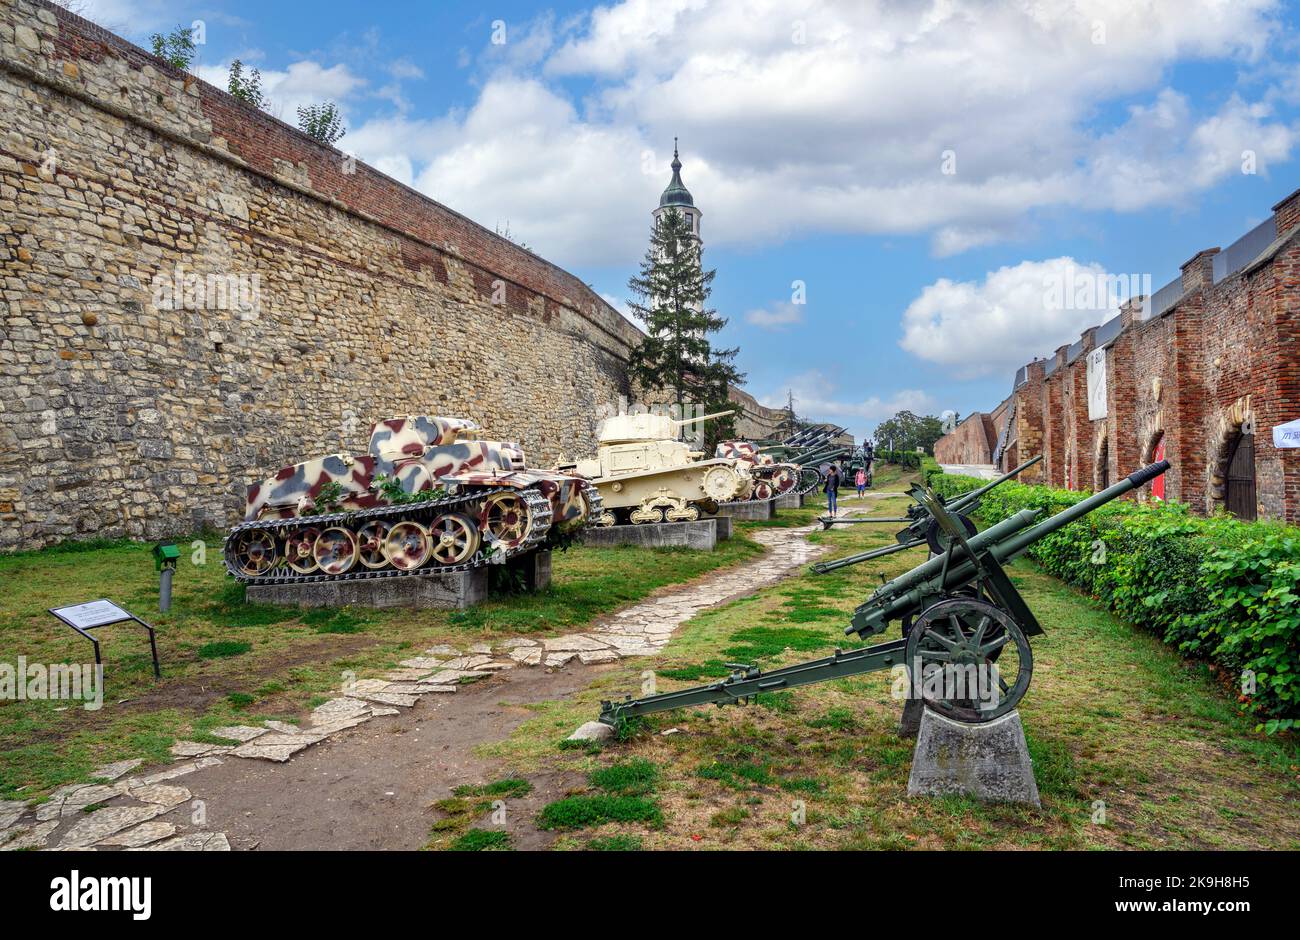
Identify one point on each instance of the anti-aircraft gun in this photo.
(967, 654)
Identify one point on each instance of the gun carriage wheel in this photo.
(939, 539)
(971, 658)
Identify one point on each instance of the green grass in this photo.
(1113, 720)
(509, 787)
(634, 776)
(481, 840)
(225, 661)
(579, 812)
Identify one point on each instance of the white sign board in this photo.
(1096, 384)
(1287, 435)
(93, 614)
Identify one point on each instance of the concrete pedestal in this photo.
(910, 724)
(536, 569)
(761, 511)
(452, 591)
(724, 527)
(701, 534)
(788, 501)
(988, 761)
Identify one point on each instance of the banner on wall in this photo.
(1287, 435)
(1096, 372)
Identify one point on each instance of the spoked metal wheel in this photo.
(505, 518)
(762, 490)
(335, 551)
(938, 539)
(370, 543)
(254, 552)
(970, 659)
(407, 546)
(454, 539)
(299, 547)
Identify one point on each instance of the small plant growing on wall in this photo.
(322, 122)
(178, 49)
(329, 497)
(390, 490)
(247, 88)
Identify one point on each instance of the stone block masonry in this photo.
(196, 294)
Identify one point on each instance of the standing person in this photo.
(861, 481)
(832, 488)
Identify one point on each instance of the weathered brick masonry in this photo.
(124, 414)
(1217, 368)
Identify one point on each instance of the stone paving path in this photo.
(79, 816)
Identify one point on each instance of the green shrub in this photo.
(1215, 588)
(907, 459)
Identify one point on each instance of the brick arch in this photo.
(1227, 431)
(1101, 460)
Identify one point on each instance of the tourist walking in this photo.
(832, 488)
(861, 481)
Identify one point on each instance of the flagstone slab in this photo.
(103, 823)
(116, 769)
(180, 770)
(73, 798)
(10, 811)
(142, 834)
(573, 642)
(240, 733)
(190, 842)
(27, 837)
(198, 749)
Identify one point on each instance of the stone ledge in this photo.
(702, 535)
(452, 591)
(788, 501)
(752, 511)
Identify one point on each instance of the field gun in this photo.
(921, 527)
(965, 647)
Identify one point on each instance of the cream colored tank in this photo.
(645, 474)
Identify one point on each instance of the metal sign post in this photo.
(101, 613)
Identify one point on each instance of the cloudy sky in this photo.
(896, 196)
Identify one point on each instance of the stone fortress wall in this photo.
(196, 294)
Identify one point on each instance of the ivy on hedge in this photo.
(1215, 588)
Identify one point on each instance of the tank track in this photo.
(540, 515)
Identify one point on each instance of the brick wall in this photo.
(124, 411)
(970, 442)
(1222, 362)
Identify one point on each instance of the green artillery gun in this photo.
(921, 527)
(967, 654)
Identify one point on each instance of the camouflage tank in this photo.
(771, 478)
(430, 496)
(645, 475)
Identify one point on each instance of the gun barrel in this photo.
(1005, 541)
(967, 499)
(824, 567)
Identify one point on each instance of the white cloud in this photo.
(1016, 313)
(777, 316)
(844, 131)
(816, 399)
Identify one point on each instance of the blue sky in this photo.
(927, 172)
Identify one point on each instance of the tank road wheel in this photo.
(688, 513)
(370, 543)
(454, 538)
(762, 491)
(720, 483)
(407, 546)
(298, 549)
(606, 518)
(505, 518)
(335, 551)
(970, 658)
(646, 515)
(254, 552)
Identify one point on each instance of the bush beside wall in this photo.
(1215, 588)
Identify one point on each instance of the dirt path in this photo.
(362, 771)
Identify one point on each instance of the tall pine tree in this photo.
(671, 296)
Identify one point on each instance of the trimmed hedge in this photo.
(1215, 588)
(907, 459)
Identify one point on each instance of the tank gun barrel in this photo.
(718, 414)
